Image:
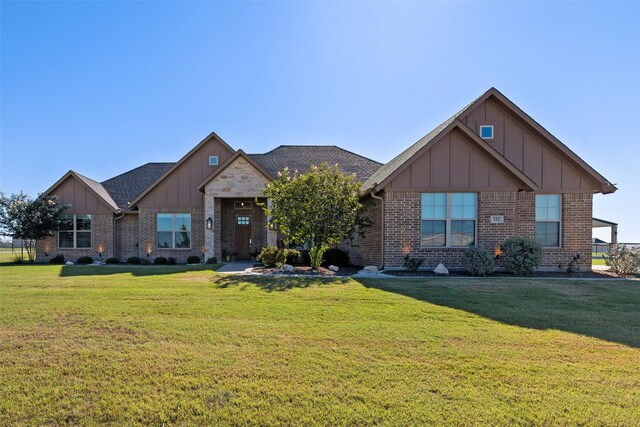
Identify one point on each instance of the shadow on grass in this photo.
(606, 310)
(134, 270)
(274, 283)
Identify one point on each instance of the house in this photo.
(487, 173)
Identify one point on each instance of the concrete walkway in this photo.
(235, 267)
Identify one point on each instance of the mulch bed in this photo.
(547, 274)
(307, 271)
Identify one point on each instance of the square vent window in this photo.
(213, 160)
(486, 131)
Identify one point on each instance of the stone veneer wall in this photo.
(101, 235)
(147, 236)
(367, 250)
(127, 235)
(403, 228)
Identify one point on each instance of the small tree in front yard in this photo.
(320, 206)
(29, 219)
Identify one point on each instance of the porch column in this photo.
(272, 235)
(614, 234)
(209, 234)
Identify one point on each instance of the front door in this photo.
(243, 236)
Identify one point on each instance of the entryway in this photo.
(243, 236)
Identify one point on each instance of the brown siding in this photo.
(80, 199)
(179, 188)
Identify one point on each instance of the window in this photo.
(174, 231)
(448, 219)
(548, 215)
(243, 220)
(486, 131)
(213, 160)
(75, 231)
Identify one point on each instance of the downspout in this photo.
(115, 233)
(382, 220)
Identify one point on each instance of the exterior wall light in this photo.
(209, 223)
(100, 250)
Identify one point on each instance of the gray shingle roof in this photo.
(302, 157)
(127, 186)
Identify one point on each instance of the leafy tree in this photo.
(29, 219)
(320, 207)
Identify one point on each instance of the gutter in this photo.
(381, 219)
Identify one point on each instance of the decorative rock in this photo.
(334, 268)
(287, 268)
(441, 269)
(371, 274)
(69, 263)
(371, 268)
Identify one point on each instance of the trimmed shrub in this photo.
(623, 260)
(522, 256)
(85, 260)
(111, 261)
(336, 257)
(212, 260)
(160, 261)
(134, 260)
(193, 259)
(58, 259)
(171, 261)
(411, 264)
(268, 256)
(288, 256)
(478, 261)
(145, 261)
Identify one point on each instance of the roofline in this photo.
(230, 160)
(316, 145)
(81, 178)
(603, 221)
(208, 138)
(137, 167)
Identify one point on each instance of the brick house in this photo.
(487, 173)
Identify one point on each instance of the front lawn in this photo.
(169, 345)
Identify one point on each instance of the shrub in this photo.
(85, 260)
(18, 259)
(288, 256)
(411, 264)
(478, 261)
(58, 259)
(573, 266)
(337, 257)
(145, 261)
(111, 261)
(268, 256)
(160, 261)
(193, 259)
(305, 258)
(134, 260)
(212, 260)
(171, 261)
(521, 256)
(623, 260)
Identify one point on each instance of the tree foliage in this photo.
(319, 207)
(29, 219)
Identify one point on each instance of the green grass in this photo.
(596, 259)
(167, 345)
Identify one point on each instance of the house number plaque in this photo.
(497, 219)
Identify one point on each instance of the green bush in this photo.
(171, 261)
(212, 260)
(193, 259)
(160, 261)
(478, 261)
(623, 260)
(268, 256)
(521, 256)
(288, 256)
(85, 260)
(336, 257)
(18, 259)
(411, 264)
(134, 260)
(58, 259)
(145, 261)
(111, 261)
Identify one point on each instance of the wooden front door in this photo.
(243, 236)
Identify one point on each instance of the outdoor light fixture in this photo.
(100, 250)
(209, 223)
(148, 251)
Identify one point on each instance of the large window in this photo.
(449, 219)
(548, 216)
(174, 231)
(75, 231)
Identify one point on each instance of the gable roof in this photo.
(210, 137)
(229, 162)
(382, 176)
(93, 186)
(125, 187)
(302, 157)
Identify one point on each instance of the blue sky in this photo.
(102, 87)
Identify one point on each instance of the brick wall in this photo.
(403, 225)
(367, 250)
(101, 236)
(127, 237)
(147, 237)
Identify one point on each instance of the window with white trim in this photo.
(548, 218)
(448, 219)
(74, 231)
(174, 230)
(213, 160)
(486, 131)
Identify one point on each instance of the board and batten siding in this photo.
(79, 199)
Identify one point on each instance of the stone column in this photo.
(272, 235)
(209, 235)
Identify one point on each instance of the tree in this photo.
(319, 207)
(29, 219)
